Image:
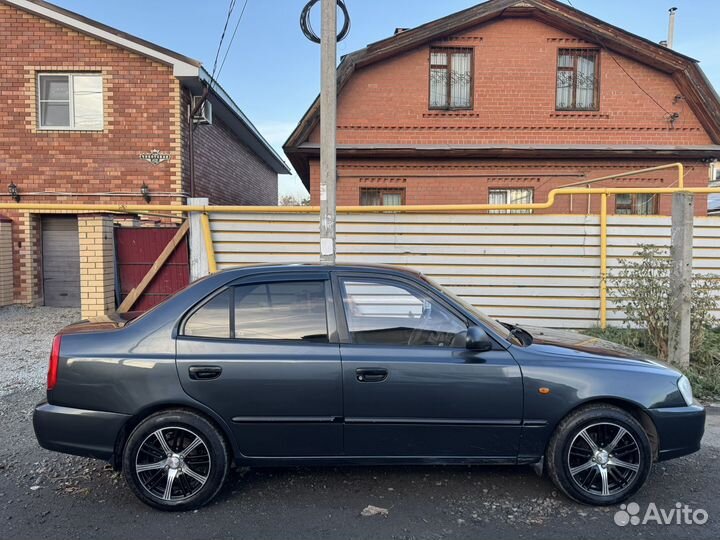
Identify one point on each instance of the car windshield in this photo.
(491, 323)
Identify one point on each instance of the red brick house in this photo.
(86, 109)
(507, 100)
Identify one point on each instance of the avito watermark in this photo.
(681, 514)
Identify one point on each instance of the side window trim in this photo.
(330, 306)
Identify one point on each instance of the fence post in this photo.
(683, 206)
(97, 265)
(603, 260)
(198, 255)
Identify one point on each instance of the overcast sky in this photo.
(272, 71)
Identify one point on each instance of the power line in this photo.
(231, 8)
(232, 38)
(637, 83)
(670, 115)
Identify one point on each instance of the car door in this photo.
(260, 354)
(411, 388)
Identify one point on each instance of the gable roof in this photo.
(692, 82)
(187, 70)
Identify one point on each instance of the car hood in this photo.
(576, 344)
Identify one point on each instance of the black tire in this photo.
(569, 447)
(208, 460)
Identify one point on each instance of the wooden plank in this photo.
(131, 298)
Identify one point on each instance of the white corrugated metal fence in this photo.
(534, 269)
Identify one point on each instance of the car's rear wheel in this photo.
(175, 460)
(599, 455)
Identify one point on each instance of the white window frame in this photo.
(71, 100)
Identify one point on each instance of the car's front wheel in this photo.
(175, 460)
(599, 455)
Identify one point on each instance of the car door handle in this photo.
(371, 374)
(204, 373)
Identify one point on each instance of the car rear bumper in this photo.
(77, 431)
(680, 430)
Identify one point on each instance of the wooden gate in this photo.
(137, 248)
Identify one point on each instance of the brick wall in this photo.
(515, 63)
(141, 113)
(140, 95)
(468, 181)
(228, 172)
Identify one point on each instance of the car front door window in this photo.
(382, 312)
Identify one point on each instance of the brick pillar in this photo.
(6, 262)
(97, 265)
(28, 289)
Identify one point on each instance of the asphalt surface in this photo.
(48, 495)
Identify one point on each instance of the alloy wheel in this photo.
(173, 464)
(604, 459)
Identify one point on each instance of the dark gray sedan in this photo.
(299, 365)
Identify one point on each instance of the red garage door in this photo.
(137, 248)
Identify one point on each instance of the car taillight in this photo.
(54, 360)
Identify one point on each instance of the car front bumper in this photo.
(680, 430)
(77, 431)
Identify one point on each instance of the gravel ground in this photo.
(25, 338)
(49, 495)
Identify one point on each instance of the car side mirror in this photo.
(477, 339)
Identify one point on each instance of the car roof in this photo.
(309, 267)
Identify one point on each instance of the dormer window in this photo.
(451, 78)
(577, 80)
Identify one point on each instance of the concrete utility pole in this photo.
(683, 207)
(328, 126)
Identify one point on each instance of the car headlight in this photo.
(685, 389)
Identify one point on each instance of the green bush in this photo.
(641, 288)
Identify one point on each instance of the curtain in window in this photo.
(438, 79)
(461, 78)
(520, 196)
(511, 196)
(380, 197)
(623, 203)
(392, 199)
(498, 196)
(565, 81)
(370, 197)
(645, 204)
(88, 101)
(585, 93)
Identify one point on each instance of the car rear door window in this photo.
(292, 310)
(389, 313)
(212, 320)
